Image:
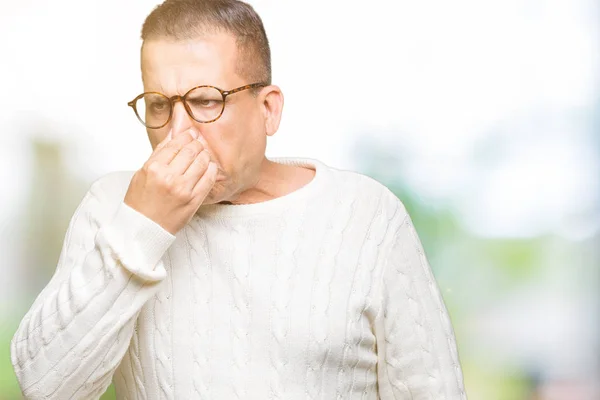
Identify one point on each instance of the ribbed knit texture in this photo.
(324, 293)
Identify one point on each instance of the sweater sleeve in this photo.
(417, 353)
(78, 329)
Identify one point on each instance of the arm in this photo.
(79, 327)
(417, 354)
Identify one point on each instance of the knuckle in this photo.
(182, 193)
(203, 157)
(184, 138)
(166, 183)
(167, 180)
(189, 152)
(196, 145)
(173, 147)
(202, 164)
(152, 168)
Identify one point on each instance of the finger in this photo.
(196, 168)
(204, 143)
(206, 182)
(162, 144)
(181, 162)
(168, 152)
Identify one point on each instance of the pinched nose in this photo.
(181, 120)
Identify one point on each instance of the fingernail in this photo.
(194, 134)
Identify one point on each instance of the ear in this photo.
(271, 102)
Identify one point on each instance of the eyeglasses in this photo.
(204, 104)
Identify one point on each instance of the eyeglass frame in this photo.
(173, 99)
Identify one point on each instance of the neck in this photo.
(275, 180)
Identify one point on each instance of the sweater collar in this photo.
(273, 206)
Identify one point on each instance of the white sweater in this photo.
(324, 293)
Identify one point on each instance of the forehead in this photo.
(176, 66)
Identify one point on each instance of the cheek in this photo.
(221, 139)
(235, 140)
(156, 136)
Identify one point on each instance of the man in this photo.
(215, 273)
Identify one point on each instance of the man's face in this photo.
(237, 140)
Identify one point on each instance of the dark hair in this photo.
(189, 19)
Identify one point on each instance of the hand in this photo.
(173, 182)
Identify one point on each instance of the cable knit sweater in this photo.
(324, 293)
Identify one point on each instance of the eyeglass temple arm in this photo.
(252, 86)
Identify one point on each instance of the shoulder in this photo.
(370, 193)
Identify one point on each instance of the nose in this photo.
(181, 120)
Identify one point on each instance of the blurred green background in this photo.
(482, 116)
